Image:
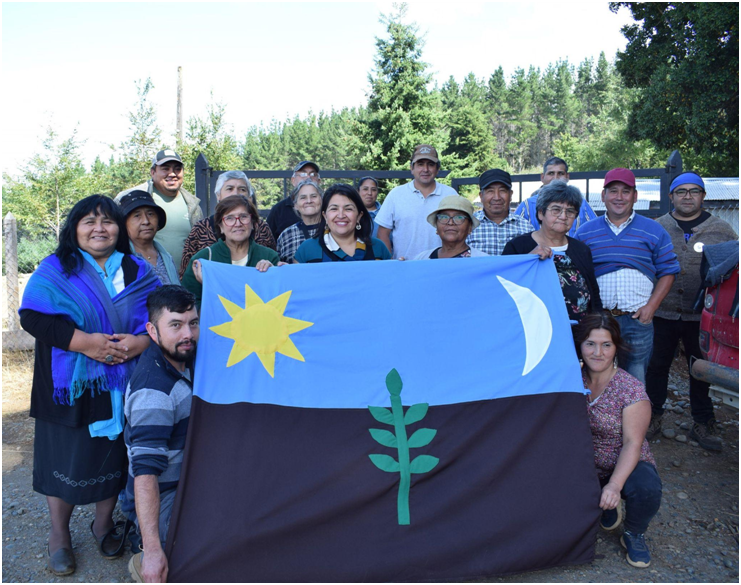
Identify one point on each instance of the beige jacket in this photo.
(191, 201)
(680, 301)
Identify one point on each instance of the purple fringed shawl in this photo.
(84, 300)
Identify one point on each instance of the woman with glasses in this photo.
(453, 222)
(234, 223)
(557, 206)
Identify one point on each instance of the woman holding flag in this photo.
(344, 233)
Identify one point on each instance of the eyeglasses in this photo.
(446, 219)
(693, 192)
(231, 220)
(312, 175)
(557, 211)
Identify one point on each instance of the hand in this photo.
(154, 565)
(543, 252)
(610, 497)
(401, 258)
(197, 272)
(645, 314)
(281, 263)
(133, 345)
(99, 345)
(263, 265)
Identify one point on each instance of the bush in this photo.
(31, 251)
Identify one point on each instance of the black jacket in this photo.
(580, 255)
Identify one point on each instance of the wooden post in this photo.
(180, 106)
(12, 291)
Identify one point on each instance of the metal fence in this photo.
(14, 338)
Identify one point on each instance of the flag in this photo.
(384, 421)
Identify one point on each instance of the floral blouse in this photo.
(606, 421)
(573, 285)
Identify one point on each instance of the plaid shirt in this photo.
(626, 289)
(491, 237)
(292, 237)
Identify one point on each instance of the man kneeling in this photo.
(157, 409)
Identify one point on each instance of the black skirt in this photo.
(70, 464)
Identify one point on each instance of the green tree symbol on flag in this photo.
(398, 440)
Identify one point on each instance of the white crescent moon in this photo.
(535, 321)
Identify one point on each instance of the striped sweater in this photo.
(644, 245)
(157, 409)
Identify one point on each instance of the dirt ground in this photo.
(694, 537)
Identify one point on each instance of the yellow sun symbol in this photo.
(260, 328)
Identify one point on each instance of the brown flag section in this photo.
(285, 494)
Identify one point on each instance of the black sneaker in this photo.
(654, 427)
(637, 552)
(704, 434)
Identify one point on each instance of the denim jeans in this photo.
(667, 333)
(640, 340)
(642, 495)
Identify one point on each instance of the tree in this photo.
(51, 183)
(401, 112)
(684, 59)
(211, 137)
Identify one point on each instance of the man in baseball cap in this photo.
(282, 216)
(182, 208)
(498, 224)
(404, 211)
(635, 265)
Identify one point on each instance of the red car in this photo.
(719, 321)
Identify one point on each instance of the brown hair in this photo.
(229, 204)
(602, 320)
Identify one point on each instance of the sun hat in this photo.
(135, 199)
(457, 203)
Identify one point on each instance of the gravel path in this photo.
(694, 537)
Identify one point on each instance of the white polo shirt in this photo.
(405, 211)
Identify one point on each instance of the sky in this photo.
(74, 66)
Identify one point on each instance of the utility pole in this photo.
(180, 106)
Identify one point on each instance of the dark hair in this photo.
(364, 179)
(68, 248)
(554, 160)
(230, 204)
(557, 192)
(172, 297)
(366, 224)
(602, 320)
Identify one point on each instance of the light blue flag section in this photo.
(325, 335)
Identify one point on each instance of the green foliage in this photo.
(210, 136)
(32, 251)
(683, 58)
(675, 86)
(401, 111)
(50, 184)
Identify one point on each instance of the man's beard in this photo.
(180, 356)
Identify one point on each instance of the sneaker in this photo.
(611, 519)
(637, 551)
(135, 568)
(654, 428)
(704, 434)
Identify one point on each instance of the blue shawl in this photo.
(83, 299)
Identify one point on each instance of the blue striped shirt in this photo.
(157, 409)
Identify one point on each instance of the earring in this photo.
(357, 226)
(615, 364)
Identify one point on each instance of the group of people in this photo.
(115, 315)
